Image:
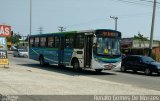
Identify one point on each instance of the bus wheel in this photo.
(98, 70)
(41, 61)
(76, 65)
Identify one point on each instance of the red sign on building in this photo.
(5, 30)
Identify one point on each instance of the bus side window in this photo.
(36, 42)
(79, 42)
(66, 42)
(43, 42)
(57, 43)
(69, 41)
(31, 42)
(53, 44)
(51, 41)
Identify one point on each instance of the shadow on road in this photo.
(137, 73)
(65, 70)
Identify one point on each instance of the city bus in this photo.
(87, 49)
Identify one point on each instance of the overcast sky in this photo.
(133, 15)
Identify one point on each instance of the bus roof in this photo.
(94, 30)
(71, 32)
(56, 34)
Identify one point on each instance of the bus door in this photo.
(88, 50)
(61, 51)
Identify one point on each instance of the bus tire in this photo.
(41, 61)
(76, 66)
(98, 70)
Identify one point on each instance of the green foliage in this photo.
(140, 37)
(15, 38)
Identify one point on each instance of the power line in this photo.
(150, 1)
(102, 19)
(134, 2)
(135, 14)
(140, 2)
(147, 1)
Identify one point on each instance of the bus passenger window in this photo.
(36, 42)
(50, 42)
(79, 41)
(43, 41)
(57, 43)
(69, 42)
(31, 44)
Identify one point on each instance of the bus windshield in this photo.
(108, 46)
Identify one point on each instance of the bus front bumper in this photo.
(107, 66)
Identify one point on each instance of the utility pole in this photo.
(40, 29)
(61, 29)
(115, 18)
(30, 17)
(30, 28)
(152, 28)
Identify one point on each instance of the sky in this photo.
(134, 16)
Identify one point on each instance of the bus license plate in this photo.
(109, 66)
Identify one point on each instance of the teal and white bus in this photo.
(89, 49)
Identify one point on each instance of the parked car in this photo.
(20, 53)
(13, 48)
(140, 63)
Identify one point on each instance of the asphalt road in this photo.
(137, 79)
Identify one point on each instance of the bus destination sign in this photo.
(110, 34)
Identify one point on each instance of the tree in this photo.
(27, 38)
(15, 38)
(140, 37)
